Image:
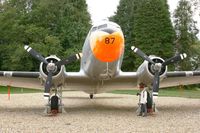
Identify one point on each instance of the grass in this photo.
(169, 92)
(15, 90)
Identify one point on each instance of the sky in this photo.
(102, 9)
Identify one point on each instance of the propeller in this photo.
(175, 59)
(51, 67)
(35, 54)
(158, 66)
(141, 54)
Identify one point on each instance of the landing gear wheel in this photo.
(54, 104)
(91, 96)
(149, 103)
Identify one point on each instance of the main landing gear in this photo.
(54, 104)
(151, 106)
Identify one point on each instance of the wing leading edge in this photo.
(177, 78)
(21, 79)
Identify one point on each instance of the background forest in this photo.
(59, 27)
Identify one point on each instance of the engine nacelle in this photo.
(146, 71)
(58, 73)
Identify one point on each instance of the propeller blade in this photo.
(48, 84)
(141, 54)
(156, 83)
(175, 59)
(69, 59)
(35, 54)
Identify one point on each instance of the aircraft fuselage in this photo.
(103, 51)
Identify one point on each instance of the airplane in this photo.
(100, 69)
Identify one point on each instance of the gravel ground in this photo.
(106, 113)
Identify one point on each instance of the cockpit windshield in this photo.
(99, 27)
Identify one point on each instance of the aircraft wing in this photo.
(73, 81)
(124, 80)
(32, 80)
(79, 81)
(129, 80)
(177, 78)
(21, 79)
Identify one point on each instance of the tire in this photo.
(54, 103)
(149, 101)
(91, 96)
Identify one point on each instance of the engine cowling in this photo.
(146, 71)
(58, 73)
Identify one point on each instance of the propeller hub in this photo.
(51, 67)
(157, 67)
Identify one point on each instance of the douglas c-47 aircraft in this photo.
(100, 69)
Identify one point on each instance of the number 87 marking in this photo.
(109, 40)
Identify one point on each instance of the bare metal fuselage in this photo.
(94, 68)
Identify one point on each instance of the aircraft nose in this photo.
(107, 45)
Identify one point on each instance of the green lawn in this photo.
(170, 92)
(4, 90)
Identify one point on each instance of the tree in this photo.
(49, 26)
(186, 32)
(148, 27)
(125, 18)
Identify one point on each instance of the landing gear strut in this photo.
(54, 104)
(151, 103)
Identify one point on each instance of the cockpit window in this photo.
(102, 26)
(99, 27)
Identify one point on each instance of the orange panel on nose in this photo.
(107, 47)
